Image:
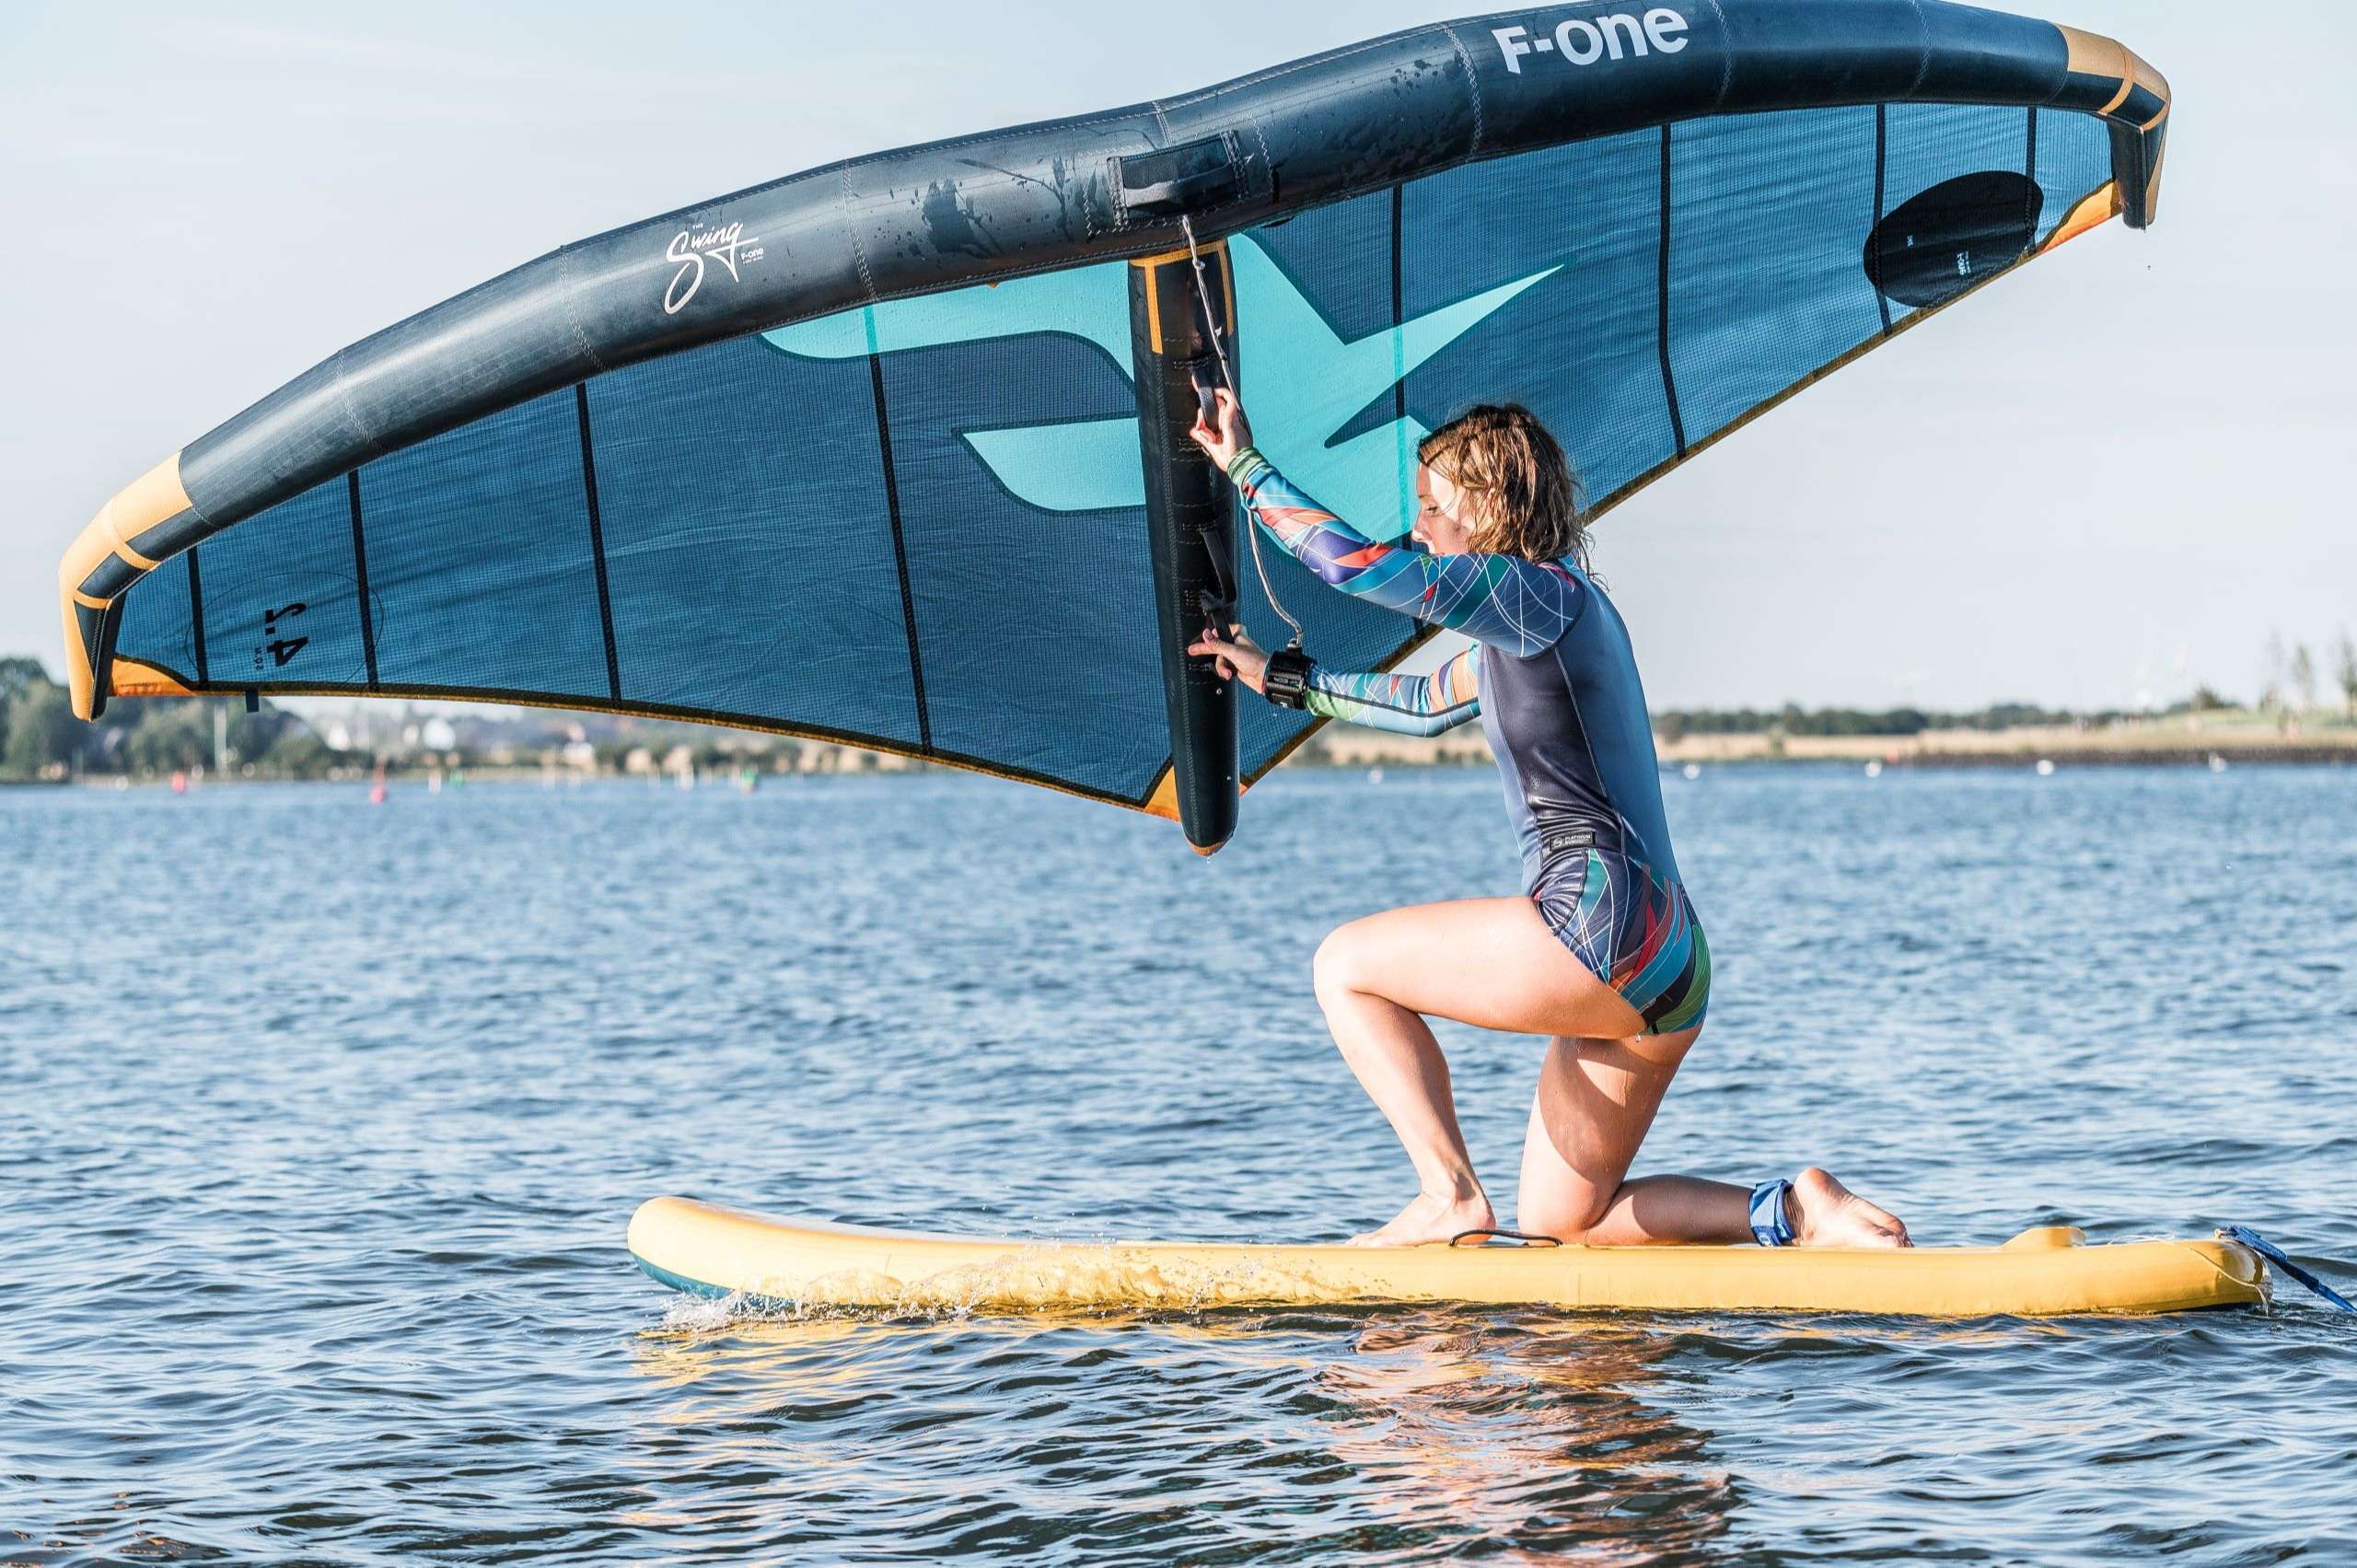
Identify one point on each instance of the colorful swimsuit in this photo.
(1553, 680)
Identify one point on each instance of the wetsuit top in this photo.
(1551, 676)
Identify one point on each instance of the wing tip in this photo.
(2135, 102)
(100, 566)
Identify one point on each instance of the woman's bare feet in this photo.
(1826, 1214)
(1434, 1218)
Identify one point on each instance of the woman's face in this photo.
(1444, 519)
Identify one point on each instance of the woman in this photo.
(1603, 954)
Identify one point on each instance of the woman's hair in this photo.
(1524, 496)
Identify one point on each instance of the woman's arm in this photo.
(1403, 704)
(1523, 607)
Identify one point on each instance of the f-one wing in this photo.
(893, 452)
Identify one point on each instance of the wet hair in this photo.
(1526, 498)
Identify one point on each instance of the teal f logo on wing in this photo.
(1311, 383)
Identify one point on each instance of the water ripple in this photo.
(325, 1122)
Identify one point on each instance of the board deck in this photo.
(2046, 1273)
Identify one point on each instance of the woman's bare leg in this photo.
(1492, 963)
(1488, 962)
(1400, 1066)
(1596, 1100)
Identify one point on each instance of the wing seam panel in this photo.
(899, 538)
(1472, 89)
(360, 580)
(1882, 195)
(858, 245)
(2031, 196)
(196, 617)
(597, 540)
(1726, 58)
(1403, 467)
(1668, 376)
(1922, 54)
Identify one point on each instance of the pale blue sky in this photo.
(2113, 475)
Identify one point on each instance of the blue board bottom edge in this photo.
(680, 1282)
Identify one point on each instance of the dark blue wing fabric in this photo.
(920, 525)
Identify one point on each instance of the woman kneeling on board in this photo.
(1605, 954)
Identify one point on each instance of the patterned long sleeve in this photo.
(1404, 705)
(1520, 607)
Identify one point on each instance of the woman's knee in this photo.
(1338, 968)
(1328, 965)
(1569, 1221)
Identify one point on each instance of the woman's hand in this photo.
(1239, 656)
(1233, 435)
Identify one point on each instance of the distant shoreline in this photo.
(2061, 757)
(1342, 750)
(2021, 748)
(204, 742)
(2181, 740)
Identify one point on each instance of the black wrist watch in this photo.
(1286, 680)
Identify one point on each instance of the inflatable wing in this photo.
(893, 452)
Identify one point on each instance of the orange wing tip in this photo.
(2098, 207)
(2093, 54)
(129, 678)
(1164, 801)
(81, 680)
(154, 497)
(2137, 109)
(2144, 74)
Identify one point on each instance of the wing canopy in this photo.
(872, 466)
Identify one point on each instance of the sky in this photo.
(2105, 480)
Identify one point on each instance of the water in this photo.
(324, 1123)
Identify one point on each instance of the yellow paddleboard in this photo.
(2047, 1272)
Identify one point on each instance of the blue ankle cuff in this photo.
(1769, 1224)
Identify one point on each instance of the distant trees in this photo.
(17, 675)
(2292, 674)
(171, 737)
(2296, 676)
(1673, 726)
(37, 728)
(300, 754)
(39, 734)
(41, 738)
(176, 737)
(2304, 676)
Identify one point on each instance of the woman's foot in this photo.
(1826, 1214)
(1434, 1218)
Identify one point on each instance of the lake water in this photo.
(322, 1123)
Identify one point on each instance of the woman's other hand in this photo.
(1232, 436)
(1239, 656)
